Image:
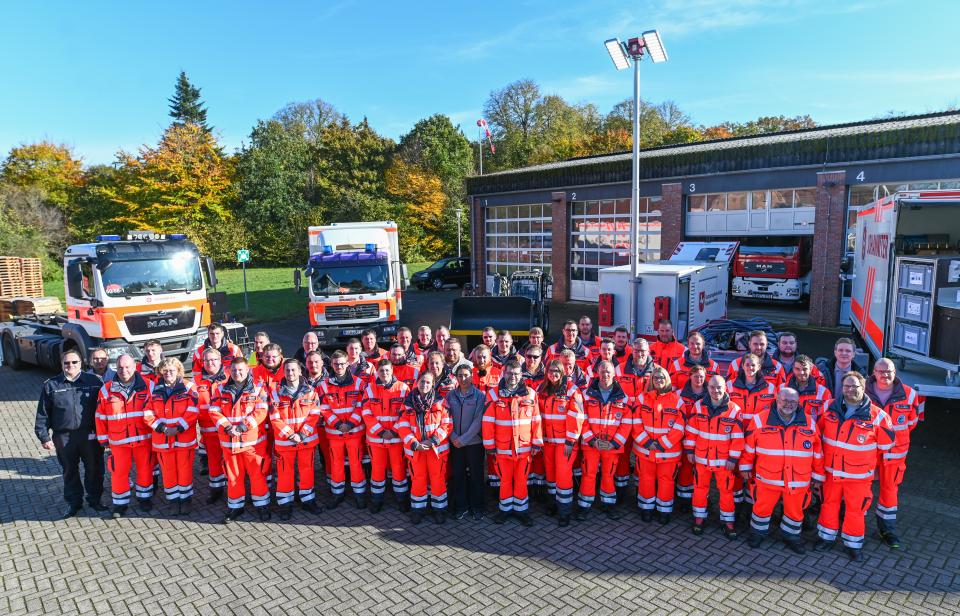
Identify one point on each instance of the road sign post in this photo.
(243, 255)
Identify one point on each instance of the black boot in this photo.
(337, 500)
(416, 516)
(855, 554)
(117, 512)
(525, 518)
(552, 509)
(698, 524)
(501, 517)
(729, 531)
(823, 546)
(286, 512)
(97, 506)
(582, 513)
(311, 506)
(890, 538)
(376, 504)
(754, 540)
(664, 517)
(232, 515)
(563, 520)
(360, 500)
(264, 513)
(439, 516)
(795, 545)
(215, 495)
(646, 515)
(404, 504)
(145, 504)
(611, 512)
(175, 507)
(186, 508)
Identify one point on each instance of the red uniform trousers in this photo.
(383, 457)
(538, 470)
(289, 459)
(656, 484)
(891, 476)
(702, 474)
(856, 496)
(559, 472)
(765, 498)
(344, 449)
(685, 479)
(121, 462)
(428, 469)
(606, 462)
(239, 466)
(217, 474)
(323, 446)
(514, 472)
(621, 477)
(176, 466)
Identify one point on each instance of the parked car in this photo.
(450, 270)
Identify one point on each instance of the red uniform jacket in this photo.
(119, 417)
(176, 407)
(383, 405)
(292, 411)
(511, 421)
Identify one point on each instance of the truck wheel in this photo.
(10, 356)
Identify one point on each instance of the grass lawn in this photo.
(270, 292)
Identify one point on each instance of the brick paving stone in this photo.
(354, 562)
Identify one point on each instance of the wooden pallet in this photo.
(20, 277)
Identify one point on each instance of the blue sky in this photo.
(97, 75)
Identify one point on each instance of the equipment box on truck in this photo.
(905, 302)
(356, 280)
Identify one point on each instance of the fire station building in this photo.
(572, 218)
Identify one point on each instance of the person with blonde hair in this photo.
(658, 428)
(172, 415)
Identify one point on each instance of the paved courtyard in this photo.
(348, 561)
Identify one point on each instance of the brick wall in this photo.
(828, 246)
(671, 218)
(478, 244)
(560, 255)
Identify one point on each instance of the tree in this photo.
(436, 146)
(309, 118)
(276, 192)
(47, 166)
(182, 185)
(31, 227)
(510, 113)
(760, 126)
(422, 203)
(351, 158)
(186, 106)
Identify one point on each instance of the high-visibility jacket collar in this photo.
(539, 375)
(809, 388)
(704, 360)
(302, 388)
(632, 369)
(616, 392)
(167, 391)
(341, 381)
(688, 394)
(137, 384)
(899, 392)
(775, 420)
(237, 389)
(862, 412)
(741, 383)
(719, 408)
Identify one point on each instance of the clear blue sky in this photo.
(97, 75)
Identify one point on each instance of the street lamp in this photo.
(648, 43)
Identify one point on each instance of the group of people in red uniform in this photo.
(579, 416)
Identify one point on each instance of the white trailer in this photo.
(694, 282)
(905, 302)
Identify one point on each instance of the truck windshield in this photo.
(349, 279)
(152, 276)
(768, 251)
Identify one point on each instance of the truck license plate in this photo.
(350, 332)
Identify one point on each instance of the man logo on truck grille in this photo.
(160, 323)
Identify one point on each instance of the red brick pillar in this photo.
(560, 255)
(671, 218)
(829, 235)
(478, 244)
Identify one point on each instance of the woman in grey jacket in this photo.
(466, 404)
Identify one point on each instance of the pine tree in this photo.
(186, 106)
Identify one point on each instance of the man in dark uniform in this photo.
(67, 406)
